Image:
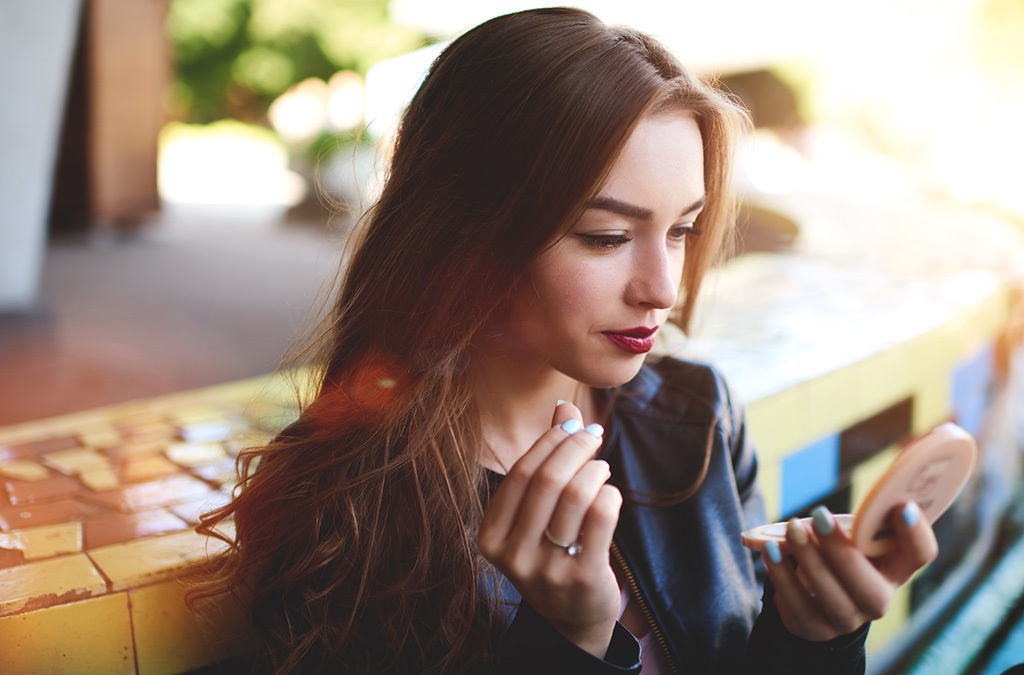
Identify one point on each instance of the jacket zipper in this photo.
(645, 608)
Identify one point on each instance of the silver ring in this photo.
(572, 548)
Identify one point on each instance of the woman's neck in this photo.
(516, 403)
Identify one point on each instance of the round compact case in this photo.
(931, 471)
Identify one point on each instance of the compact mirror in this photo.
(931, 471)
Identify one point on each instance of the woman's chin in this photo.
(605, 378)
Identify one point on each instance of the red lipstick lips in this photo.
(637, 340)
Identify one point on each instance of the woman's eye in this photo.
(681, 232)
(605, 240)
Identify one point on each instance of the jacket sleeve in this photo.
(772, 649)
(775, 651)
(532, 645)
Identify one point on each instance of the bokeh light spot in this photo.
(361, 393)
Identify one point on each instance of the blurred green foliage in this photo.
(233, 57)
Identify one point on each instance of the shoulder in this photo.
(672, 426)
(673, 400)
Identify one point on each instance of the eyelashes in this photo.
(684, 232)
(605, 240)
(610, 241)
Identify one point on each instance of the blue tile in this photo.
(810, 474)
(972, 386)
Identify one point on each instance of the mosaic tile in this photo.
(36, 543)
(99, 436)
(150, 431)
(972, 386)
(189, 415)
(932, 404)
(274, 420)
(10, 557)
(222, 472)
(170, 639)
(810, 474)
(152, 495)
(129, 449)
(90, 636)
(32, 492)
(143, 467)
(839, 500)
(57, 428)
(208, 431)
(23, 469)
(32, 515)
(235, 446)
(191, 511)
(866, 473)
(9, 453)
(833, 401)
(155, 558)
(46, 583)
(22, 434)
(100, 481)
(865, 439)
(52, 445)
(120, 527)
(776, 423)
(76, 461)
(140, 416)
(194, 454)
(769, 474)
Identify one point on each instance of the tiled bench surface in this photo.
(96, 520)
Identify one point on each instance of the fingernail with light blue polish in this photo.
(595, 430)
(572, 426)
(774, 554)
(911, 514)
(824, 524)
(561, 401)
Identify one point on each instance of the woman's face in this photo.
(591, 302)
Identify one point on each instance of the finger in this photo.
(565, 411)
(548, 482)
(576, 499)
(503, 510)
(917, 544)
(599, 524)
(869, 591)
(828, 591)
(797, 609)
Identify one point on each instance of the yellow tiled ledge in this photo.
(99, 589)
(91, 636)
(49, 582)
(136, 563)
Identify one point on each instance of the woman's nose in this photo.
(656, 276)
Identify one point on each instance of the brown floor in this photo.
(190, 301)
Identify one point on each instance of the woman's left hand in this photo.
(837, 588)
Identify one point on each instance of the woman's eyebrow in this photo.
(696, 206)
(632, 210)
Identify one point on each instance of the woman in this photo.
(555, 185)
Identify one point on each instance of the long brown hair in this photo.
(355, 545)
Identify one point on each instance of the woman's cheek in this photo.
(577, 291)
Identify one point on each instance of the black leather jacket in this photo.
(700, 585)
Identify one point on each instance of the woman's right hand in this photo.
(557, 486)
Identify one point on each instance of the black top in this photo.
(703, 588)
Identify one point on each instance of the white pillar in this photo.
(37, 40)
